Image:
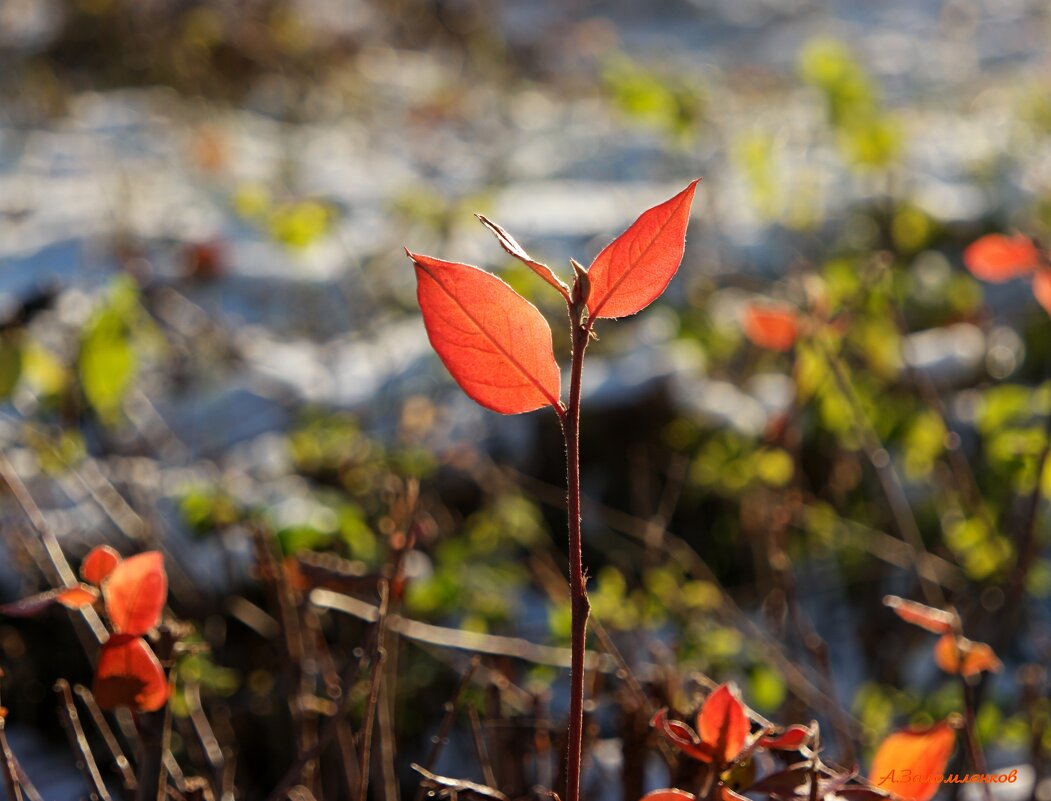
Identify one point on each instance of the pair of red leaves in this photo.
(723, 730)
(497, 345)
(953, 652)
(997, 258)
(134, 592)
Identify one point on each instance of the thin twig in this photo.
(62, 574)
(108, 737)
(329, 732)
(889, 479)
(451, 707)
(460, 639)
(78, 741)
(19, 788)
(480, 747)
(379, 657)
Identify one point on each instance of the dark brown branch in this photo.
(379, 657)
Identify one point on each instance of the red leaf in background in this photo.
(70, 597)
(130, 675)
(98, 564)
(977, 656)
(668, 794)
(634, 269)
(937, 621)
(1042, 289)
(997, 258)
(722, 724)
(916, 753)
(494, 342)
(681, 736)
(771, 326)
(791, 739)
(135, 593)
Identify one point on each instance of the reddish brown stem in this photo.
(581, 608)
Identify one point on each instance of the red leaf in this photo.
(668, 794)
(722, 724)
(791, 739)
(135, 593)
(77, 597)
(98, 564)
(494, 342)
(635, 268)
(937, 621)
(966, 657)
(681, 736)
(997, 258)
(918, 754)
(129, 674)
(1042, 289)
(70, 597)
(770, 326)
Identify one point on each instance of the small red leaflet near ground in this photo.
(494, 342)
(98, 564)
(135, 593)
(634, 269)
(130, 675)
(72, 598)
(911, 753)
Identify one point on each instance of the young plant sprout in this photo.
(497, 346)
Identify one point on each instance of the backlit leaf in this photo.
(997, 258)
(635, 268)
(129, 675)
(916, 754)
(135, 593)
(723, 724)
(926, 617)
(966, 657)
(77, 597)
(774, 327)
(98, 564)
(791, 739)
(70, 597)
(494, 342)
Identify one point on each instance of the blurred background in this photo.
(210, 344)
